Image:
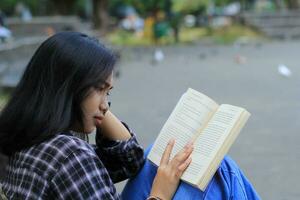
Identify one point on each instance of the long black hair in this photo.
(47, 99)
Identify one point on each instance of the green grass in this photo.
(189, 35)
(121, 37)
(225, 35)
(228, 35)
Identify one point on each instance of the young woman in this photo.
(64, 91)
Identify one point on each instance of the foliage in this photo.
(38, 6)
(8, 6)
(149, 6)
(125, 38)
(190, 6)
(79, 6)
(226, 2)
(224, 35)
(229, 34)
(143, 7)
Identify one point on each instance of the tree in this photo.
(292, 4)
(64, 7)
(190, 6)
(100, 14)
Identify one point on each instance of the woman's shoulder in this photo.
(56, 149)
(47, 157)
(66, 144)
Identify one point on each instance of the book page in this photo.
(224, 149)
(211, 139)
(190, 115)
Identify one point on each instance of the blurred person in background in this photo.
(5, 33)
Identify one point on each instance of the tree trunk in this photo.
(279, 4)
(100, 14)
(64, 7)
(292, 4)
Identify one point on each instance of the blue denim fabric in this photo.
(228, 183)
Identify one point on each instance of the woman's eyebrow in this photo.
(107, 84)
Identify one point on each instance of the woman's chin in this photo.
(90, 130)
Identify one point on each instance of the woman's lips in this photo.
(98, 119)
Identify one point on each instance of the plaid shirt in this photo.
(66, 167)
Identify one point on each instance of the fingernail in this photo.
(189, 144)
(172, 141)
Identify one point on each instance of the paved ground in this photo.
(268, 148)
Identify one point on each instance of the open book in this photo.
(212, 127)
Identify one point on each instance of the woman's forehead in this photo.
(109, 81)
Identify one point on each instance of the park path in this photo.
(244, 74)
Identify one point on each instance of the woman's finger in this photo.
(166, 155)
(186, 163)
(183, 154)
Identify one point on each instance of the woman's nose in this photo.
(104, 106)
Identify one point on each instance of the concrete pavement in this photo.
(267, 149)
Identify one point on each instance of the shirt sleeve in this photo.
(122, 159)
(82, 176)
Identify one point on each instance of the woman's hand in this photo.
(169, 172)
(112, 128)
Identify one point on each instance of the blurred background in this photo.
(244, 53)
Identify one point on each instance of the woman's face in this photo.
(95, 106)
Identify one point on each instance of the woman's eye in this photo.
(99, 89)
